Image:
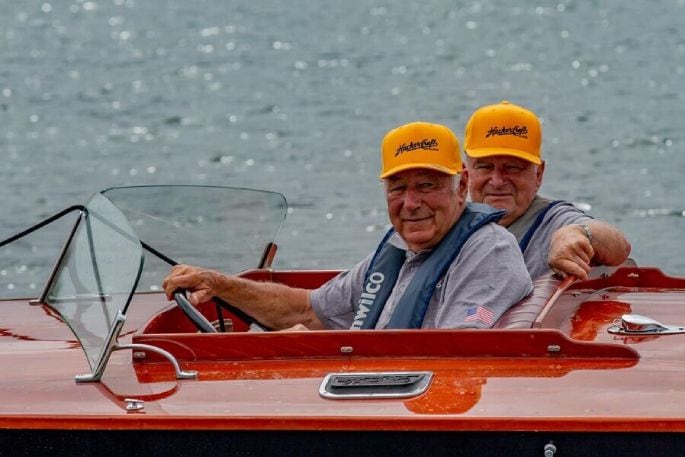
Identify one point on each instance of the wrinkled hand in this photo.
(570, 252)
(202, 284)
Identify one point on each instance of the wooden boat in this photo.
(100, 365)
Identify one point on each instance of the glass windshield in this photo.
(224, 228)
(96, 276)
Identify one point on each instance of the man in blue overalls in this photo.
(445, 263)
(503, 159)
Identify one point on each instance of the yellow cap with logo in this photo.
(420, 145)
(504, 129)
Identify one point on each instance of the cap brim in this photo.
(409, 166)
(488, 152)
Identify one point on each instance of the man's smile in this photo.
(498, 195)
(416, 219)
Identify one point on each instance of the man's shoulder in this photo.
(491, 245)
(493, 232)
(564, 209)
(550, 205)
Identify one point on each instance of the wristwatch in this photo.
(586, 229)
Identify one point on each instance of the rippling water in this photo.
(295, 96)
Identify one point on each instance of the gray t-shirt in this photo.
(486, 278)
(537, 252)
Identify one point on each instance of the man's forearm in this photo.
(275, 305)
(610, 245)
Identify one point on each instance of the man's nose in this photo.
(497, 178)
(412, 198)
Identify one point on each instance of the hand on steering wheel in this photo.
(193, 314)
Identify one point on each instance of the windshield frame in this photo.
(85, 289)
(104, 217)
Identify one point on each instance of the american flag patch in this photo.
(478, 313)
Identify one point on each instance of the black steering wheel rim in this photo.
(192, 313)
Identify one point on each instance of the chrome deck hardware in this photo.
(133, 404)
(636, 324)
(550, 449)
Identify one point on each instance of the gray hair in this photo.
(456, 179)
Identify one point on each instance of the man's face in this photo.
(423, 205)
(504, 182)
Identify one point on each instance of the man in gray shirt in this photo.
(503, 158)
(444, 264)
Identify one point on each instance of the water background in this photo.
(295, 97)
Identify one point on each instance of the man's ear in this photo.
(538, 176)
(464, 182)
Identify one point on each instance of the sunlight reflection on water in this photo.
(295, 98)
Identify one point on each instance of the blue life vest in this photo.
(387, 262)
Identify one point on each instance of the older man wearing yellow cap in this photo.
(503, 157)
(444, 264)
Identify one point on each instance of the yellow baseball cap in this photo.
(420, 145)
(504, 129)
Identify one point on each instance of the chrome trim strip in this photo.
(396, 384)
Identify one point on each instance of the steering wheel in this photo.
(192, 313)
(202, 323)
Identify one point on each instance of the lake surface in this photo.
(295, 97)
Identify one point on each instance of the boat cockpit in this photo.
(99, 276)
